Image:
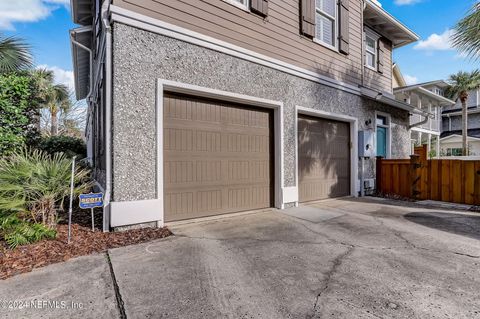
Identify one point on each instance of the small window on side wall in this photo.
(240, 3)
(371, 49)
(370, 52)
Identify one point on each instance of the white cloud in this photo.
(60, 75)
(410, 80)
(436, 42)
(406, 2)
(12, 11)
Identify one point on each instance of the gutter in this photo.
(444, 100)
(381, 97)
(108, 113)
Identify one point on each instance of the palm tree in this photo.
(14, 54)
(466, 35)
(55, 97)
(58, 99)
(460, 85)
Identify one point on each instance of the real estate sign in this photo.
(91, 200)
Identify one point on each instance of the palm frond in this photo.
(14, 55)
(466, 35)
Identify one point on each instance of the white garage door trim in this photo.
(178, 87)
(353, 138)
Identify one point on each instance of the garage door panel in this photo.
(323, 158)
(217, 158)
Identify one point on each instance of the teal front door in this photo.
(382, 141)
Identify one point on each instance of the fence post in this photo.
(414, 177)
(476, 187)
(378, 174)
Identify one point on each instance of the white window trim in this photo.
(369, 33)
(245, 6)
(316, 39)
(388, 126)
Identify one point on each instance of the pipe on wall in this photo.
(108, 113)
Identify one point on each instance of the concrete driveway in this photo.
(334, 259)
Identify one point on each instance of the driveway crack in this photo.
(116, 288)
(337, 262)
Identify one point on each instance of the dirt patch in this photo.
(84, 242)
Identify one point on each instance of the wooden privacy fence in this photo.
(456, 181)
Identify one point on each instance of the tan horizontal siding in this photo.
(277, 36)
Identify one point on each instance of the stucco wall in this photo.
(141, 57)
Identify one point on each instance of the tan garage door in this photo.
(323, 158)
(217, 157)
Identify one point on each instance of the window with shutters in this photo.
(326, 12)
(239, 3)
(371, 49)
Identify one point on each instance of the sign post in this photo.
(71, 201)
(90, 201)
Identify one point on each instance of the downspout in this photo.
(362, 48)
(424, 121)
(90, 78)
(108, 114)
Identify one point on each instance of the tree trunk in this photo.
(464, 128)
(54, 122)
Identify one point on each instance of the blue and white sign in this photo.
(91, 200)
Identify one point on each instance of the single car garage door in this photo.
(323, 158)
(217, 157)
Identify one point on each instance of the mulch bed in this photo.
(395, 197)
(83, 242)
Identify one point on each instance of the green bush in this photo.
(70, 146)
(18, 112)
(34, 185)
(17, 232)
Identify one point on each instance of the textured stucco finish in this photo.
(141, 57)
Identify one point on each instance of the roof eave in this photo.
(80, 91)
(443, 100)
(79, 16)
(408, 36)
(380, 97)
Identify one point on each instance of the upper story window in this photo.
(438, 91)
(240, 3)
(326, 22)
(370, 52)
(371, 49)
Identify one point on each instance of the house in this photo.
(429, 97)
(451, 138)
(200, 108)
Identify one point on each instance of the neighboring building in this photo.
(429, 97)
(451, 139)
(200, 108)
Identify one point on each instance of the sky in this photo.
(44, 24)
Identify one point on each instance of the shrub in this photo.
(17, 232)
(18, 112)
(70, 146)
(34, 185)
